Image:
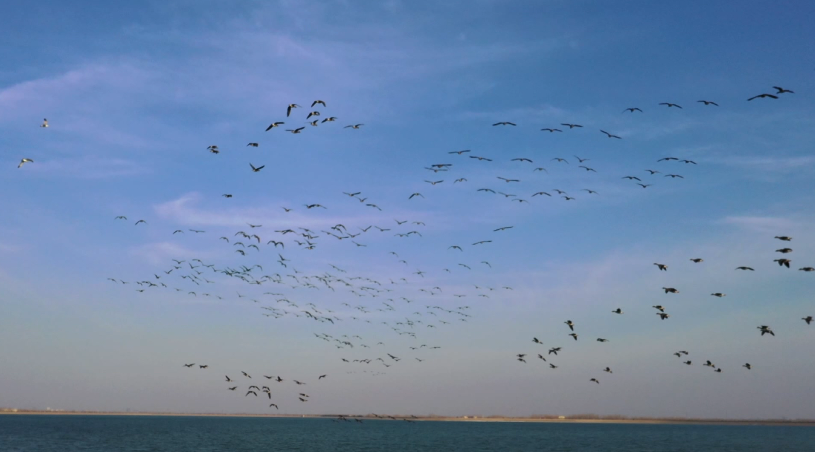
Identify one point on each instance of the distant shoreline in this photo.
(776, 422)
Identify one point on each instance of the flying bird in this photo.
(258, 168)
(24, 161)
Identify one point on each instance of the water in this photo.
(44, 433)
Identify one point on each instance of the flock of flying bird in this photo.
(375, 299)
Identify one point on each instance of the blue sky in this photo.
(134, 95)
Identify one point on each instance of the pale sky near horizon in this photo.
(135, 93)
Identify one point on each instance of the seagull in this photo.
(297, 130)
(24, 161)
(610, 135)
(273, 125)
(330, 119)
(707, 102)
(571, 126)
(551, 130)
(354, 126)
(505, 123)
(670, 105)
(313, 113)
(632, 109)
(317, 102)
(258, 168)
(782, 90)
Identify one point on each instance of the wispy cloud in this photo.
(762, 224)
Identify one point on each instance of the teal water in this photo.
(43, 433)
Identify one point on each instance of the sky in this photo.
(135, 94)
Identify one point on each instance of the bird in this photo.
(140, 221)
(120, 217)
(505, 123)
(745, 268)
(747, 366)
(781, 90)
(662, 267)
(330, 119)
(670, 290)
(670, 105)
(354, 126)
(807, 319)
(807, 269)
(784, 238)
(574, 335)
(415, 194)
(659, 307)
(707, 102)
(765, 330)
(617, 311)
(570, 324)
(297, 130)
(551, 130)
(321, 377)
(254, 145)
(274, 124)
(632, 109)
(783, 262)
(696, 260)
(189, 365)
(784, 250)
(288, 110)
(663, 315)
(611, 135)
(24, 161)
(313, 113)
(607, 369)
(571, 126)
(718, 294)
(254, 169)
(317, 102)
(595, 380)
(227, 378)
(762, 96)
(226, 195)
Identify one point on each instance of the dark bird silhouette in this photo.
(611, 135)
(707, 102)
(781, 90)
(505, 123)
(632, 109)
(257, 169)
(670, 105)
(762, 96)
(274, 124)
(571, 126)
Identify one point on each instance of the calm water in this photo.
(202, 434)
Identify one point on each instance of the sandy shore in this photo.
(807, 423)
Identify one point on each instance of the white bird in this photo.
(24, 161)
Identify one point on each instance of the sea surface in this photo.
(65, 433)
